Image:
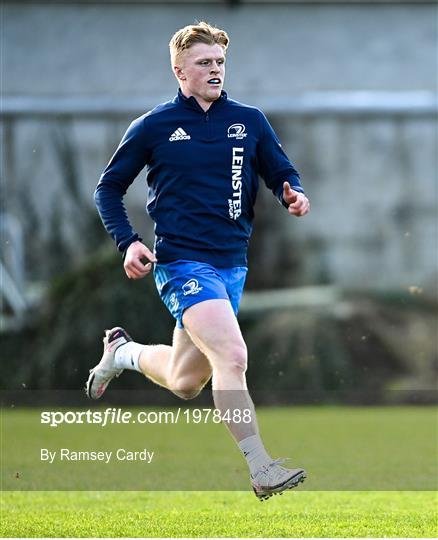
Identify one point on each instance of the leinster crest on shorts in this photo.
(191, 287)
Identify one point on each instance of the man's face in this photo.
(201, 71)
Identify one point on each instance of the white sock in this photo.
(254, 452)
(127, 356)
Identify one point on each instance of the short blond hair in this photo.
(201, 32)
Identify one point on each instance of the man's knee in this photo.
(186, 388)
(234, 358)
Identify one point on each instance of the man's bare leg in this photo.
(181, 368)
(211, 344)
(214, 329)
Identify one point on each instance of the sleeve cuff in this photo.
(123, 247)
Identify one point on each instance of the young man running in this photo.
(203, 153)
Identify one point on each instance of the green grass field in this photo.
(380, 464)
(218, 514)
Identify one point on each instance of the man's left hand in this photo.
(298, 203)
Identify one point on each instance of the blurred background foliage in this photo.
(370, 346)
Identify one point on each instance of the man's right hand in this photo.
(133, 265)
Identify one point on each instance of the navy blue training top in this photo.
(202, 174)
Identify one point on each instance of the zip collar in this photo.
(191, 103)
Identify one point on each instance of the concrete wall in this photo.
(276, 50)
(371, 176)
(373, 188)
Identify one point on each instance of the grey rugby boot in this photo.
(102, 374)
(272, 479)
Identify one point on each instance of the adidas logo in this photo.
(179, 135)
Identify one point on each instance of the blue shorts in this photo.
(182, 284)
